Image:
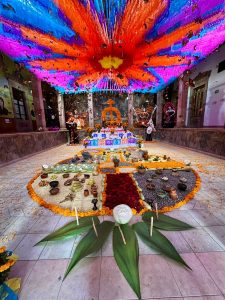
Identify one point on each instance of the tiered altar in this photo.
(111, 134)
(111, 138)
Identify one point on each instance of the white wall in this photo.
(215, 99)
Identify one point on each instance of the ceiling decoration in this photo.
(116, 45)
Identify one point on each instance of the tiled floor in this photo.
(23, 223)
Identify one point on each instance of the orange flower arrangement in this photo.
(7, 265)
(2, 249)
(98, 126)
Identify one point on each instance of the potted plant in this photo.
(90, 131)
(141, 169)
(139, 142)
(125, 125)
(116, 161)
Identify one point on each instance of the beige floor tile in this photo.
(200, 240)
(22, 269)
(44, 281)
(26, 249)
(113, 286)
(157, 280)
(196, 282)
(58, 249)
(205, 298)
(218, 234)
(205, 217)
(45, 224)
(83, 281)
(215, 265)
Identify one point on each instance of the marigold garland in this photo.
(2, 249)
(7, 265)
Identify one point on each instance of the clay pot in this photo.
(54, 191)
(86, 176)
(150, 186)
(43, 183)
(94, 188)
(44, 175)
(95, 194)
(68, 182)
(86, 193)
(53, 184)
(167, 188)
(141, 171)
(66, 175)
(145, 155)
(182, 186)
(173, 194)
(158, 172)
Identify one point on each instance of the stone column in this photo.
(182, 101)
(130, 110)
(38, 103)
(159, 109)
(61, 111)
(90, 110)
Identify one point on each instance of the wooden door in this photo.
(197, 106)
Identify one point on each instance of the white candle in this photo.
(93, 223)
(151, 228)
(123, 238)
(76, 216)
(156, 210)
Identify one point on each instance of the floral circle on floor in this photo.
(93, 182)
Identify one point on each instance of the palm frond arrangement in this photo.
(125, 242)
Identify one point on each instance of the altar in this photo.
(112, 133)
(108, 138)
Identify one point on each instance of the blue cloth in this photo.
(5, 290)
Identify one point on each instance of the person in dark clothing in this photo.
(3, 110)
(71, 125)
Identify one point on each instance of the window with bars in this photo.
(19, 104)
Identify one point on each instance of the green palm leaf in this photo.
(90, 243)
(71, 229)
(165, 222)
(158, 242)
(127, 256)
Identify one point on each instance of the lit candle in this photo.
(151, 228)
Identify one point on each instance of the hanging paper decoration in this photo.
(121, 45)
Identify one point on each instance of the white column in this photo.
(61, 111)
(130, 110)
(90, 110)
(38, 103)
(159, 109)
